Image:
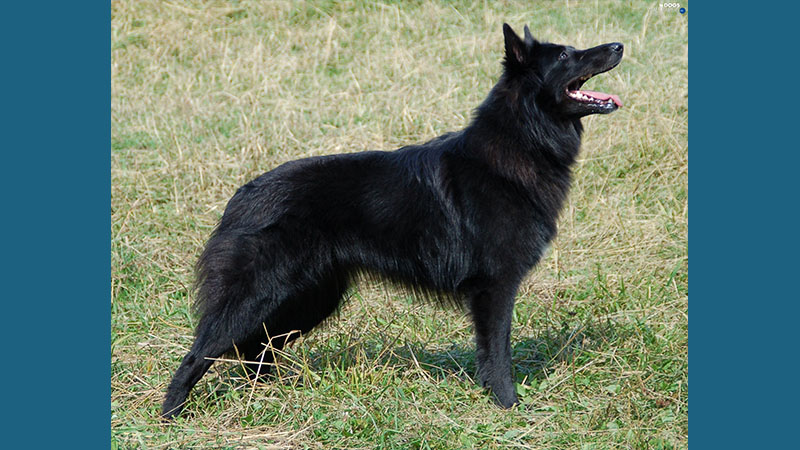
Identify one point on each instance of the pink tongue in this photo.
(603, 96)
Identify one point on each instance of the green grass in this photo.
(207, 95)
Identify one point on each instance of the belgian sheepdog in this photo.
(463, 217)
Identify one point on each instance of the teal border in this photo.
(56, 224)
(743, 205)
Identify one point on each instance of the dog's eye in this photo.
(563, 56)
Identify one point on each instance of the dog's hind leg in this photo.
(248, 283)
(294, 317)
(259, 353)
(491, 314)
(258, 359)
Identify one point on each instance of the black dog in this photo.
(463, 217)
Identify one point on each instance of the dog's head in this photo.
(553, 74)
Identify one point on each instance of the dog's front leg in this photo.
(491, 314)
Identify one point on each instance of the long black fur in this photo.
(463, 217)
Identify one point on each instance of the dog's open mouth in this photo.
(591, 97)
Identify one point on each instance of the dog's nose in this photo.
(616, 47)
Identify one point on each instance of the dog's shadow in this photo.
(531, 356)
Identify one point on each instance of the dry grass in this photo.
(207, 95)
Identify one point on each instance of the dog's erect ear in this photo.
(528, 36)
(516, 52)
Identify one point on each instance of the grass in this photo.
(207, 95)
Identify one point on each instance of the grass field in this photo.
(207, 95)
